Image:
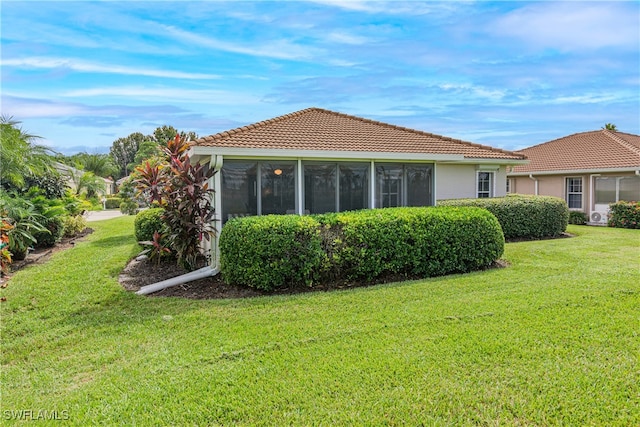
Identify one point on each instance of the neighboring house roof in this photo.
(316, 129)
(595, 150)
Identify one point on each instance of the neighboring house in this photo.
(316, 161)
(70, 173)
(589, 170)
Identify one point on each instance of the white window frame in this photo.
(492, 183)
(568, 191)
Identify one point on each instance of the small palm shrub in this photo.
(74, 224)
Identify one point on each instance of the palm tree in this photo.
(611, 127)
(20, 156)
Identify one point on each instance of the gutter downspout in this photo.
(209, 270)
(535, 180)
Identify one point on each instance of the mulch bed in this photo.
(143, 272)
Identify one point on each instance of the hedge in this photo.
(147, 222)
(578, 218)
(266, 252)
(273, 251)
(523, 216)
(112, 202)
(624, 214)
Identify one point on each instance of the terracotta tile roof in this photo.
(319, 129)
(600, 149)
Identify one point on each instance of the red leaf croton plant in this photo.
(182, 189)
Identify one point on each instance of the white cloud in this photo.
(213, 97)
(566, 26)
(91, 67)
(277, 49)
(345, 38)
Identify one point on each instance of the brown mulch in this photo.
(139, 273)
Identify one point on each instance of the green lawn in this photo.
(552, 340)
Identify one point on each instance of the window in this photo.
(239, 189)
(611, 189)
(388, 185)
(278, 188)
(629, 189)
(320, 188)
(404, 185)
(574, 193)
(335, 187)
(508, 189)
(485, 185)
(605, 190)
(354, 186)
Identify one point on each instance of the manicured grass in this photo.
(552, 340)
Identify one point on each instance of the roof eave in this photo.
(346, 155)
(576, 171)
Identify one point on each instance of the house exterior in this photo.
(589, 170)
(317, 161)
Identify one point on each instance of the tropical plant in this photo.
(181, 188)
(25, 222)
(100, 164)
(20, 156)
(611, 127)
(123, 151)
(156, 247)
(5, 255)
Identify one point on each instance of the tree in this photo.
(20, 156)
(123, 151)
(611, 127)
(164, 134)
(99, 164)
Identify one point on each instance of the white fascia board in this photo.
(328, 155)
(482, 161)
(574, 171)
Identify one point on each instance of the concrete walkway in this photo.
(100, 215)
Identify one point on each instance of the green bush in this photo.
(74, 224)
(147, 222)
(112, 203)
(624, 214)
(418, 241)
(272, 251)
(578, 218)
(55, 227)
(266, 252)
(129, 207)
(523, 216)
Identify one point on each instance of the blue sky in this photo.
(506, 74)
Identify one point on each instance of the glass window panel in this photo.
(278, 189)
(484, 184)
(354, 187)
(239, 188)
(418, 178)
(388, 185)
(605, 189)
(574, 193)
(320, 188)
(630, 189)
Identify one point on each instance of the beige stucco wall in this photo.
(459, 181)
(555, 185)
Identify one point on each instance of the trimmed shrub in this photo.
(129, 207)
(578, 218)
(624, 214)
(523, 216)
(419, 241)
(55, 227)
(112, 203)
(74, 224)
(147, 222)
(273, 251)
(266, 252)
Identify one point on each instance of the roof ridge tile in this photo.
(621, 141)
